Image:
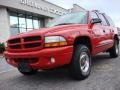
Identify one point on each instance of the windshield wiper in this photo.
(64, 24)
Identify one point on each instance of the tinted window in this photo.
(94, 15)
(110, 20)
(104, 22)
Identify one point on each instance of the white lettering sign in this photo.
(38, 6)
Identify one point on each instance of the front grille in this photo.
(35, 38)
(25, 42)
(15, 46)
(14, 41)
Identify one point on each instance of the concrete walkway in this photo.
(4, 67)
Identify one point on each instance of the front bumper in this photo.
(62, 56)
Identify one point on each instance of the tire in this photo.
(31, 72)
(80, 66)
(114, 51)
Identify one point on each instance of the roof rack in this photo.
(99, 11)
(96, 10)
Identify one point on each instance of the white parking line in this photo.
(6, 71)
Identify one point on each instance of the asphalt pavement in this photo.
(105, 75)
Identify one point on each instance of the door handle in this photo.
(104, 31)
(111, 30)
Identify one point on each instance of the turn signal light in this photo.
(56, 44)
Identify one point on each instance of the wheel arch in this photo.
(85, 40)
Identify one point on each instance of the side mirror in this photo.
(96, 20)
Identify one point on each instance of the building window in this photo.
(36, 23)
(20, 23)
(29, 22)
(13, 21)
(14, 24)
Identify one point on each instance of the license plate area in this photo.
(24, 67)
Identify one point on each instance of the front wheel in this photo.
(80, 66)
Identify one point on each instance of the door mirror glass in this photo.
(96, 20)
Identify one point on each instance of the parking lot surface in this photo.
(4, 67)
(105, 75)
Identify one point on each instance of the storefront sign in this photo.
(38, 6)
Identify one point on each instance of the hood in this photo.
(52, 30)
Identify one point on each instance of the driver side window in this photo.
(94, 15)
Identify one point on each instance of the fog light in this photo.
(52, 60)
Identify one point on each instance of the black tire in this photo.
(114, 51)
(75, 68)
(31, 72)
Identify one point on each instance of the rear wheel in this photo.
(114, 51)
(80, 66)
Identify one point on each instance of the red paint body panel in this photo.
(62, 55)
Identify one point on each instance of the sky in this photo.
(110, 7)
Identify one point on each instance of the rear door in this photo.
(98, 35)
(107, 41)
(112, 27)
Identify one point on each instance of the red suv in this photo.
(69, 40)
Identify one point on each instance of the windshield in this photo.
(74, 18)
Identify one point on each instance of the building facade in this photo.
(18, 16)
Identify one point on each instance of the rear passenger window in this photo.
(110, 21)
(104, 22)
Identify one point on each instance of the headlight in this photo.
(54, 41)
